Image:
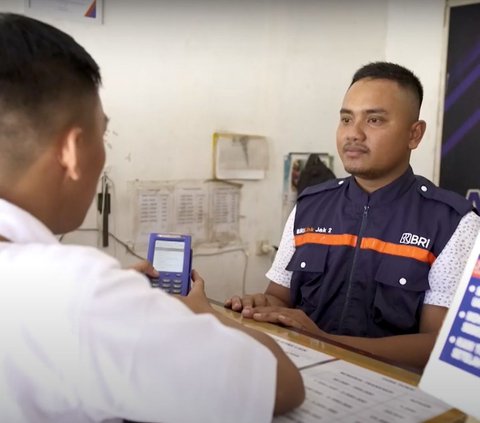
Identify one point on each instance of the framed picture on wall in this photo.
(293, 165)
(78, 10)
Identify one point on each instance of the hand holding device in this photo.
(146, 268)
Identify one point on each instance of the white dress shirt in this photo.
(85, 341)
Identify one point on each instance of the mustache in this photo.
(351, 146)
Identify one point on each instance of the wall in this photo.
(176, 71)
(416, 37)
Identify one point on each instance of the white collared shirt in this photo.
(85, 341)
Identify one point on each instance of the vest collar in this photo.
(383, 195)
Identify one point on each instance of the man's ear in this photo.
(416, 133)
(69, 153)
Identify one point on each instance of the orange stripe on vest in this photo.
(325, 239)
(366, 244)
(398, 250)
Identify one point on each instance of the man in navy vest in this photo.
(371, 260)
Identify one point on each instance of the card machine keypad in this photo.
(169, 282)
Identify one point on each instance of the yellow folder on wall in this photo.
(239, 156)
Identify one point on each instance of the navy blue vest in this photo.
(361, 260)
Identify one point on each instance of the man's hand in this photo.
(146, 268)
(197, 300)
(246, 303)
(290, 317)
(275, 295)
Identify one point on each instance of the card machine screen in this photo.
(168, 256)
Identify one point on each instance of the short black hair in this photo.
(391, 71)
(44, 73)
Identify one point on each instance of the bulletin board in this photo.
(209, 211)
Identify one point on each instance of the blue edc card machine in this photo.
(171, 256)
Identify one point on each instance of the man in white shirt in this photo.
(82, 339)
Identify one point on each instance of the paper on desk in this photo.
(300, 355)
(339, 391)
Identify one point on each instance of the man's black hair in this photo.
(386, 70)
(44, 74)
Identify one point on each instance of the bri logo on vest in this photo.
(412, 239)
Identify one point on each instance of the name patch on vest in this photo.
(310, 229)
